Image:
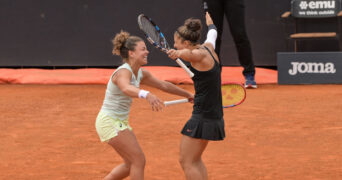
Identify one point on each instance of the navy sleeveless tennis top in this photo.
(208, 97)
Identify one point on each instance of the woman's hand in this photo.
(155, 102)
(191, 98)
(173, 54)
(208, 19)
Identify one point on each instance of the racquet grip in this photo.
(181, 64)
(167, 103)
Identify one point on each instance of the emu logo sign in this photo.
(303, 67)
(317, 5)
(315, 8)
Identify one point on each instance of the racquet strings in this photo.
(153, 33)
(150, 29)
(232, 95)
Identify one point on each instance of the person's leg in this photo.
(191, 150)
(216, 11)
(235, 13)
(119, 172)
(129, 149)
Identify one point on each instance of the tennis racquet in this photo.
(157, 38)
(233, 94)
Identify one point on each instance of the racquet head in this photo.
(233, 94)
(153, 33)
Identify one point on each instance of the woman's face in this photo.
(140, 53)
(179, 42)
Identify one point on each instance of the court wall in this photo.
(78, 32)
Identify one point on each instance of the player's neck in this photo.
(135, 67)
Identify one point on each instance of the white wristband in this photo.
(211, 37)
(143, 94)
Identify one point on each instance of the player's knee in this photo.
(139, 161)
(184, 162)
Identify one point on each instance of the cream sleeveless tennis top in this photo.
(116, 103)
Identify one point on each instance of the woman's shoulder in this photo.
(199, 51)
(208, 45)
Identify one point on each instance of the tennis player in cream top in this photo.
(112, 122)
(116, 102)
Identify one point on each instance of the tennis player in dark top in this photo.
(206, 122)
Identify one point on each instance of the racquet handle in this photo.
(167, 103)
(181, 64)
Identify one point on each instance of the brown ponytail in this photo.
(191, 30)
(124, 42)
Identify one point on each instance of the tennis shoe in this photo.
(250, 82)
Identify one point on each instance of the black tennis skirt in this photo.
(204, 128)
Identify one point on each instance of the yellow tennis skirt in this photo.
(108, 126)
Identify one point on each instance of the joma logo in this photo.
(317, 5)
(309, 67)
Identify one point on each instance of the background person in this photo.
(234, 11)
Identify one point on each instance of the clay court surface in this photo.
(280, 132)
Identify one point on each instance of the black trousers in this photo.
(234, 10)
